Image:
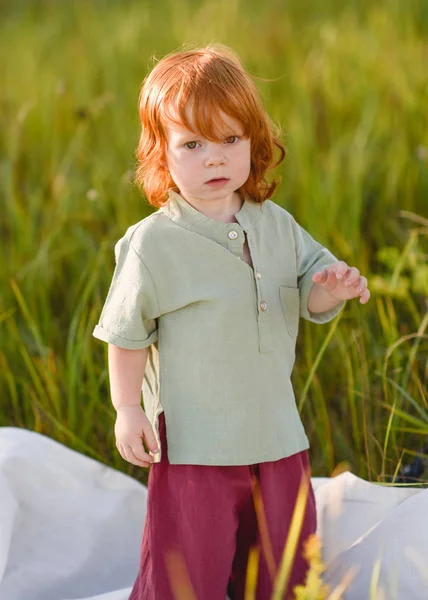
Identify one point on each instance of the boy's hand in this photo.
(131, 426)
(343, 282)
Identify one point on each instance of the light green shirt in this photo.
(222, 335)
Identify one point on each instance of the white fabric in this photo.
(361, 523)
(71, 527)
(398, 542)
(348, 507)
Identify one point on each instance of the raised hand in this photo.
(343, 282)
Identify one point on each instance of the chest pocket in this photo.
(290, 301)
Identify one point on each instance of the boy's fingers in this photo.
(134, 456)
(332, 277)
(363, 282)
(321, 276)
(338, 269)
(325, 275)
(365, 296)
(353, 277)
(123, 452)
(358, 286)
(140, 452)
(150, 439)
(141, 457)
(332, 272)
(329, 277)
(127, 454)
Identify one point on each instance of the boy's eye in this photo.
(232, 139)
(191, 145)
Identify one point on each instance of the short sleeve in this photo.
(311, 257)
(128, 317)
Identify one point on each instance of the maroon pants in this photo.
(202, 521)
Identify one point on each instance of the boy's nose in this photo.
(215, 159)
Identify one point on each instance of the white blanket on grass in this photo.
(71, 527)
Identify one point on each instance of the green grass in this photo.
(347, 83)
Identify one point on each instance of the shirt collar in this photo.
(184, 214)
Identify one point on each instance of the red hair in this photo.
(212, 79)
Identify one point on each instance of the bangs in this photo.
(198, 100)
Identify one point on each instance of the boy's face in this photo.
(207, 170)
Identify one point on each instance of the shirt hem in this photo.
(251, 460)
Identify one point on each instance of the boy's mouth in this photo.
(218, 180)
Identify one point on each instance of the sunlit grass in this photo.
(348, 83)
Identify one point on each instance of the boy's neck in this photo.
(218, 210)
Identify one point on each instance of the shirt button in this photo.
(263, 305)
(232, 235)
(258, 275)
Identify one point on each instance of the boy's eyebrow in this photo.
(190, 134)
(181, 130)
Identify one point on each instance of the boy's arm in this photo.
(126, 372)
(311, 257)
(126, 369)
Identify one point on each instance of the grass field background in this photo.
(347, 83)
